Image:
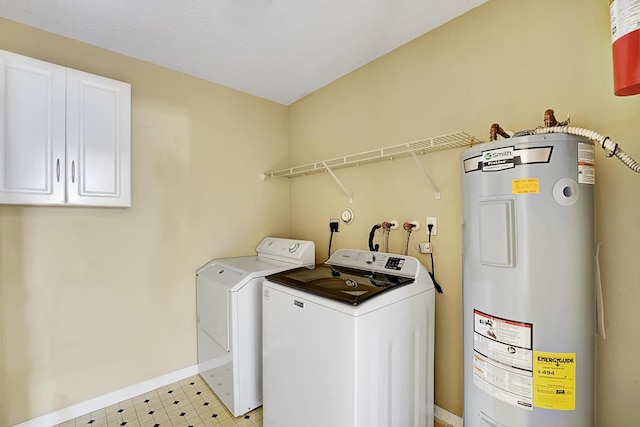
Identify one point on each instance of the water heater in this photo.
(529, 282)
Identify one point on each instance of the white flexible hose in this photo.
(610, 147)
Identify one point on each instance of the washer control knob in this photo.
(294, 247)
(369, 258)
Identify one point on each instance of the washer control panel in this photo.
(401, 265)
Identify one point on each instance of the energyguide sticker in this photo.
(554, 380)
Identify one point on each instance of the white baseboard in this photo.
(75, 411)
(109, 399)
(447, 417)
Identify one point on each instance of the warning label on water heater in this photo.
(503, 359)
(525, 186)
(586, 164)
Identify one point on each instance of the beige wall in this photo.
(94, 299)
(117, 306)
(506, 62)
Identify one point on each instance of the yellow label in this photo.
(525, 186)
(554, 381)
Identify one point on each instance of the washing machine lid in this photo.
(344, 284)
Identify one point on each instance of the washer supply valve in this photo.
(409, 227)
(386, 228)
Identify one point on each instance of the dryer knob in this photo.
(294, 247)
(369, 258)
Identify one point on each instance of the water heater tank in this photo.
(529, 282)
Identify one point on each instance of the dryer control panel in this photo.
(300, 252)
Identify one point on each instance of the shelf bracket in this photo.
(433, 184)
(333, 175)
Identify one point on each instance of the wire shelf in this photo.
(423, 146)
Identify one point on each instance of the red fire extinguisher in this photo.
(625, 41)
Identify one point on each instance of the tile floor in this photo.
(189, 402)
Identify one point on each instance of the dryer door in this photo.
(214, 301)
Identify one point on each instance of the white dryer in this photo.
(349, 343)
(229, 318)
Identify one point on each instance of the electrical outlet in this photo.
(432, 220)
(334, 224)
(423, 248)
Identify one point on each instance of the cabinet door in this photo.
(32, 130)
(98, 140)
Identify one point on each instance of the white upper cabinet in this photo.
(98, 140)
(32, 130)
(65, 135)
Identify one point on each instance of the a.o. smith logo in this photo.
(507, 158)
(498, 154)
(500, 159)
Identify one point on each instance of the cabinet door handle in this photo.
(58, 170)
(73, 171)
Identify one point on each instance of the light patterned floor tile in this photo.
(197, 406)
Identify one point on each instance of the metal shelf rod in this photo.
(433, 184)
(339, 183)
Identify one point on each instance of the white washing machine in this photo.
(229, 317)
(349, 343)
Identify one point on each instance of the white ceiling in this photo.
(280, 50)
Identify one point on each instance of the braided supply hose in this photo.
(408, 227)
(611, 148)
(386, 229)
